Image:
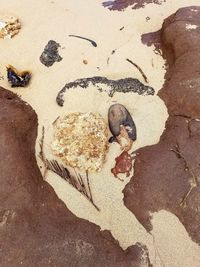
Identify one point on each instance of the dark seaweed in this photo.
(50, 54)
(140, 70)
(17, 79)
(122, 85)
(84, 38)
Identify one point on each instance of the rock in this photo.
(81, 141)
(36, 228)
(166, 175)
(9, 26)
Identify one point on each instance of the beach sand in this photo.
(55, 20)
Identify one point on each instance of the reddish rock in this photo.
(152, 38)
(36, 228)
(167, 174)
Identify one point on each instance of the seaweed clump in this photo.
(50, 54)
(16, 78)
(125, 85)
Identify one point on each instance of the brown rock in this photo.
(167, 174)
(181, 49)
(36, 228)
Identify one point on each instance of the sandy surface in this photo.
(45, 20)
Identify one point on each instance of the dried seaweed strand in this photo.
(41, 143)
(41, 153)
(77, 182)
(140, 70)
(84, 38)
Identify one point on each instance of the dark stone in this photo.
(50, 54)
(118, 115)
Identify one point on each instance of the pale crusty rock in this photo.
(9, 26)
(81, 140)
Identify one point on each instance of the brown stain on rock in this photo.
(167, 174)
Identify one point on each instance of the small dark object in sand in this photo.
(121, 126)
(50, 54)
(89, 40)
(125, 85)
(85, 61)
(16, 78)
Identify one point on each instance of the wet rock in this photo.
(36, 228)
(122, 85)
(166, 175)
(9, 26)
(50, 54)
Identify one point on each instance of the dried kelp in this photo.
(76, 180)
(122, 85)
(84, 38)
(140, 70)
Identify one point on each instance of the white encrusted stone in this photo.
(9, 26)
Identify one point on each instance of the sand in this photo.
(46, 20)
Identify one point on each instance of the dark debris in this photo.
(50, 54)
(16, 78)
(125, 85)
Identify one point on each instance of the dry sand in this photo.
(44, 20)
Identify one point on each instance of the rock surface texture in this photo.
(167, 174)
(36, 228)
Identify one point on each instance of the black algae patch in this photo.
(122, 85)
(16, 78)
(50, 54)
